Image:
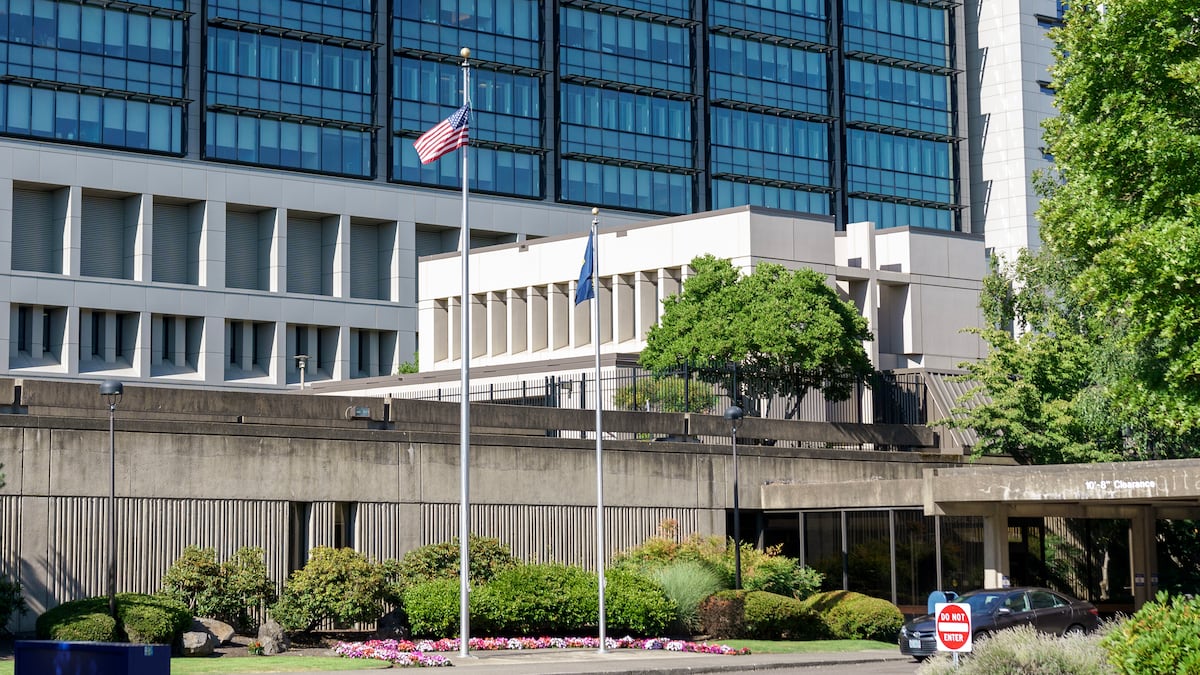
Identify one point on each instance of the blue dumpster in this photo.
(50, 657)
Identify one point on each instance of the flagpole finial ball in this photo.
(595, 211)
(465, 52)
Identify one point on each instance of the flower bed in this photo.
(417, 652)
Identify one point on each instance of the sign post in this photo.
(952, 627)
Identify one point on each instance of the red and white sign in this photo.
(952, 626)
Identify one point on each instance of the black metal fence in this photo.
(888, 398)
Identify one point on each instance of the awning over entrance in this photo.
(1142, 492)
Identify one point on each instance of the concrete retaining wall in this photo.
(228, 470)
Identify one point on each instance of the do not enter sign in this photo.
(952, 626)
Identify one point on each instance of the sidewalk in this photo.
(636, 662)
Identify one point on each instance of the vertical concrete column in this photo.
(278, 370)
(142, 349)
(140, 219)
(497, 322)
(539, 319)
(341, 360)
(518, 320)
(995, 547)
(402, 265)
(9, 316)
(277, 255)
(453, 336)
(646, 302)
(72, 233)
(1142, 560)
(6, 209)
(212, 247)
(211, 360)
(71, 346)
(179, 357)
(341, 255)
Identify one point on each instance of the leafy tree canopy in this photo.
(787, 331)
(1106, 363)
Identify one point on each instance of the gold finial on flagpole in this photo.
(465, 52)
(595, 211)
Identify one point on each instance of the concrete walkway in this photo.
(635, 662)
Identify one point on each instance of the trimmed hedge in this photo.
(853, 616)
(540, 600)
(537, 599)
(635, 604)
(432, 608)
(758, 615)
(141, 619)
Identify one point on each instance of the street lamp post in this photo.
(112, 390)
(734, 414)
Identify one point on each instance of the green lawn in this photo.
(807, 647)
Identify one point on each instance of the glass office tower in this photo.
(846, 107)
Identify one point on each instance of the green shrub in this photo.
(141, 619)
(442, 561)
(234, 591)
(723, 614)
(1162, 637)
(761, 570)
(847, 615)
(781, 575)
(770, 616)
(541, 599)
(687, 583)
(341, 585)
(433, 608)
(79, 620)
(635, 605)
(1024, 651)
(11, 601)
(152, 619)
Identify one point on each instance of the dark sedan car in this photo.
(993, 610)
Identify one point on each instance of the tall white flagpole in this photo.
(595, 239)
(464, 451)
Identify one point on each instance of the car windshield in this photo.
(982, 602)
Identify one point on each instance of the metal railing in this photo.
(887, 398)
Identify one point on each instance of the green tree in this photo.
(339, 584)
(1122, 210)
(666, 394)
(787, 331)
(1106, 364)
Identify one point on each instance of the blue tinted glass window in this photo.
(92, 119)
(898, 97)
(266, 72)
(799, 19)
(624, 49)
(729, 193)
(768, 74)
(507, 106)
(288, 144)
(887, 214)
(899, 166)
(624, 125)
(904, 30)
(625, 187)
(105, 52)
(493, 170)
(765, 146)
(353, 20)
(503, 32)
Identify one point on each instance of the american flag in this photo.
(449, 134)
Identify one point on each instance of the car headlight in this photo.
(903, 631)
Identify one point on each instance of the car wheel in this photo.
(1075, 630)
